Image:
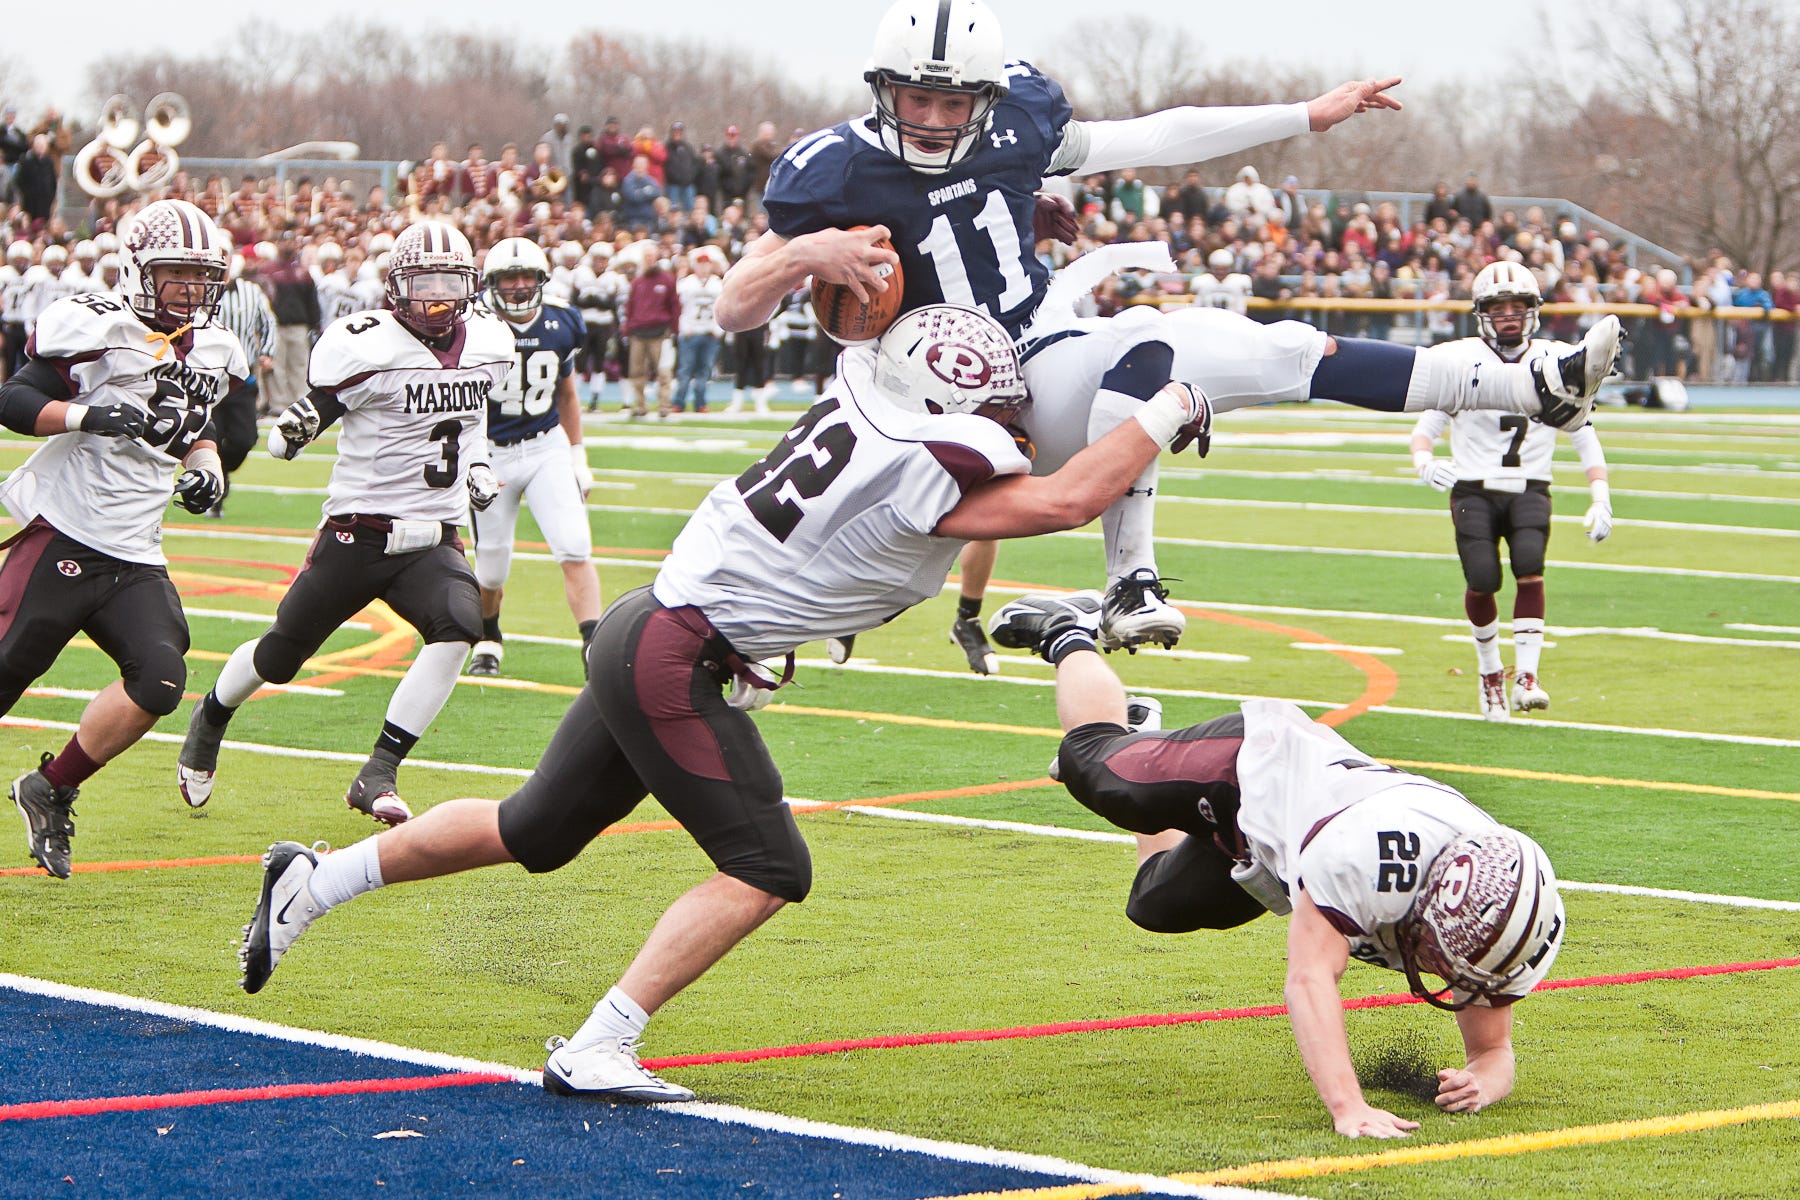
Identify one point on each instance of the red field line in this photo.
(1152, 1020)
(157, 864)
(39, 1109)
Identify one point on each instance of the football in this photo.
(848, 319)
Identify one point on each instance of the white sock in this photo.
(426, 686)
(238, 679)
(346, 874)
(1444, 379)
(1128, 528)
(1487, 646)
(1528, 644)
(616, 1016)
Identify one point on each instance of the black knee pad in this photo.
(1527, 547)
(278, 658)
(790, 878)
(1162, 905)
(459, 618)
(155, 684)
(1480, 564)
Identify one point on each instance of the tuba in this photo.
(548, 186)
(111, 165)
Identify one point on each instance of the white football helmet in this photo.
(515, 274)
(1504, 280)
(1487, 913)
(942, 46)
(945, 358)
(328, 256)
(1221, 259)
(569, 253)
(108, 243)
(54, 259)
(172, 233)
(19, 255)
(85, 254)
(381, 243)
(431, 278)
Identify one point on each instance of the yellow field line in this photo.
(908, 719)
(1073, 1191)
(1702, 789)
(1514, 1143)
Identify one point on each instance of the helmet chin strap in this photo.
(167, 339)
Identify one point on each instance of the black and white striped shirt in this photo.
(244, 309)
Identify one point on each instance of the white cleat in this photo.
(606, 1070)
(1568, 382)
(1528, 696)
(283, 912)
(1136, 611)
(839, 649)
(1493, 696)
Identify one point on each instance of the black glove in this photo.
(115, 420)
(198, 490)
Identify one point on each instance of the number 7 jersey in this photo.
(415, 416)
(830, 534)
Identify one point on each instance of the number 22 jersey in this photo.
(415, 416)
(830, 534)
(110, 493)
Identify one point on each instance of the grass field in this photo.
(1313, 566)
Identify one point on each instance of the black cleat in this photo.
(376, 792)
(48, 811)
(966, 633)
(1035, 622)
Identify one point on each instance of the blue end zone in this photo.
(485, 1139)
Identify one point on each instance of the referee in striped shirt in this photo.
(244, 309)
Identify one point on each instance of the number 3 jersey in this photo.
(1357, 835)
(110, 493)
(415, 416)
(963, 236)
(830, 534)
(524, 405)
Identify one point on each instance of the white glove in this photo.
(584, 474)
(484, 487)
(1435, 471)
(293, 429)
(1598, 521)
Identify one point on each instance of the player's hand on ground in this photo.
(1438, 473)
(1347, 99)
(198, 489)
(112, 420)
(484, 487)
(851, 257)
(1459, 1091)
(1055, 218)
(1367, 1121)
(293, 429)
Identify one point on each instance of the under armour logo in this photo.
(1002, 139)
(69, 567)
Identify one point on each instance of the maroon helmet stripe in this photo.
(190, 233)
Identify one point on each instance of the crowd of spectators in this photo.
(607, 206)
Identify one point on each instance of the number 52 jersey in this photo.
(110, 493)
(830, 534)
(415, 416)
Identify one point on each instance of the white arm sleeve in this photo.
(1174, 136)
(1431, 425)
(1587, 444)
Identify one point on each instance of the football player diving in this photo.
(535, 447)
(122, 387)
(857, 514)
(947, 167)
(1267, 810)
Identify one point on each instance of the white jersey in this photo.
(1357, 835)
(1231, 292)
(110, 492)
(41, 289)
(415, 417)
(559, 289)
(1505, 448)
(12, 293)
(596, 294)
(368, 292)
(337, 299)
(697, 299)
(830, 535)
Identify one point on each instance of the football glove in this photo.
(1054, 218)
(109, 420)
(584, 474)
(293, 429)
(198, 489)
(484, 487)
(1197, 431)
(1438, 473)
(1598, 521)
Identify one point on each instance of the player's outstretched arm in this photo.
(38, 401)
(1317, 956)
(1487, 1049)
(775, 266)
(1347, 99)
(1025, 505)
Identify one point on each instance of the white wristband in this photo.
(1601, 493)
(206, 459)
(73, 417)
(1421, 457)
(1162, 417)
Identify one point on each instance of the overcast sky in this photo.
(1427, 41)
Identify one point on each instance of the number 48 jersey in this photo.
(830, 534)
(524, 405)
(963, 236)
(415, 416)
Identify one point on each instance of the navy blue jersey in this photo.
(963, 236)
(525, 405)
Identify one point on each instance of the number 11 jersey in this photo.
(830, 534)
(415, 416)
